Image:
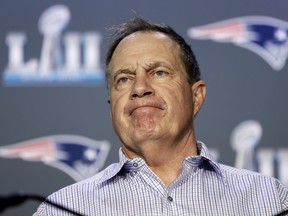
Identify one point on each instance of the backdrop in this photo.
(54, 119)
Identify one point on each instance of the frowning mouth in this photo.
(145, 108)
(133, 106)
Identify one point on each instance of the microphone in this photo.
(19, 198)
(283, 213)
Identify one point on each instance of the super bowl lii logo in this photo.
(70, 58)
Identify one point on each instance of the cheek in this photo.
(181, 103)
(117, 107)
(181, 94)
(117, 117)
(115, 110)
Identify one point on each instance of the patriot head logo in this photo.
(265, 36)
(79, 157)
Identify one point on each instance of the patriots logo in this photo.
(265, 36)
(77, 156)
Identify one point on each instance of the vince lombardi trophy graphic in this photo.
(244, 138)
(51, 23)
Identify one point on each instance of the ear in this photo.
(199, 93)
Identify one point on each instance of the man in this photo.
(155, 92)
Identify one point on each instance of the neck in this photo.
(165, 157)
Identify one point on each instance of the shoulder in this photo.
(243, 179)
(244, 174)
(90, 183)
(78, 193)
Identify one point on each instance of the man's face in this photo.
(150, 96)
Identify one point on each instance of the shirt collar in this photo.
(203, 155)
(115, 169)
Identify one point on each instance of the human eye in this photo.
(122, 80)
(160, 73)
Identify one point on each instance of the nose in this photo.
(141, 87)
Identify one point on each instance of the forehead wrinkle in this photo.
(123, 71)
(155, 64)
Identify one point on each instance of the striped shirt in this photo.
(204, 187)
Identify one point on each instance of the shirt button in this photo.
(135, 164)
(170, 198)
(133, 173)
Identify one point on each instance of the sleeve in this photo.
(283, 195)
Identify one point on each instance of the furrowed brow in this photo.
(122, 71)
(154, 65)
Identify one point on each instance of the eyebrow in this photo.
(123, 71)
(148, 67)
(154, 65)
